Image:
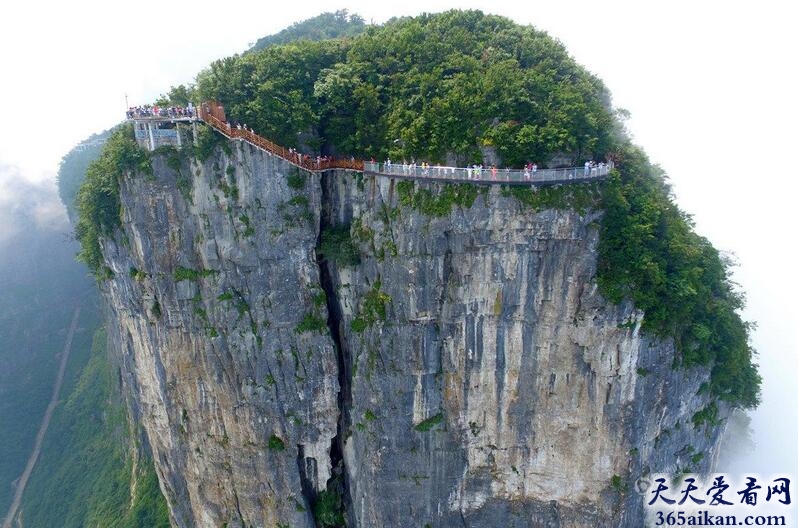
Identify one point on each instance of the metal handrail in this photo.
(489, 175)
(213, 114)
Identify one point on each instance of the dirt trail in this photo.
(23, 480)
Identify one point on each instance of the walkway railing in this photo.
(489, 175)
(213, 114)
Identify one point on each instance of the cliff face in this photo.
(465, 372)
(234, 397)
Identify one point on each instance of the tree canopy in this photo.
(648, 252)
(423, 87)
(322, 27)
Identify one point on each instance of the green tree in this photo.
(325, 26)
(426, 87)
(72, 170)
(649, 253)
(179, 95)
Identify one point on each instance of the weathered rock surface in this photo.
(469, 372)
(235, 398)
(544, 390)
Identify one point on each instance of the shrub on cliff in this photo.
(98, 198)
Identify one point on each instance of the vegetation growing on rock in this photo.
(648, 252)
(98, 198)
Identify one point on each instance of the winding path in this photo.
(34, 456)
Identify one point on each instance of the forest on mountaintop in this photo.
(325, 26)
(421, 88)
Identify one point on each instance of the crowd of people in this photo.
(135, 112)
(592, 168)
(308, 160)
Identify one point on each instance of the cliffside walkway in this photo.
(213, 114)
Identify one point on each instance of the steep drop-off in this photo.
(439, 370)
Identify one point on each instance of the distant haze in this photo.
(28, 205)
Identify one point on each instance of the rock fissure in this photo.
(338, 480)
(309, 494)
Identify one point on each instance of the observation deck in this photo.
(154, 127)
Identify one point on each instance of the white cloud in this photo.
(27, 205)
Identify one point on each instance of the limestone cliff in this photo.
(463, 370)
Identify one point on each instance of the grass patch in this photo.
(320, 299)
(577, 196)
(429, 423)
(230, 190)
(299, 200)
(295, 181)
(358, 325)
(618, 484)
(137, 275)
(437, 204)
(276, 443)
(328, 510)
(248, 229)
(707, 415)
(311, 323)
(336, 245)
(182, 273)
(373, 308)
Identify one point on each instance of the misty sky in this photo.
(28, 205)
(710, 86)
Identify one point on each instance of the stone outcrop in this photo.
(465, 371)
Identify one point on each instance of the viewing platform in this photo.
(156, 127)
